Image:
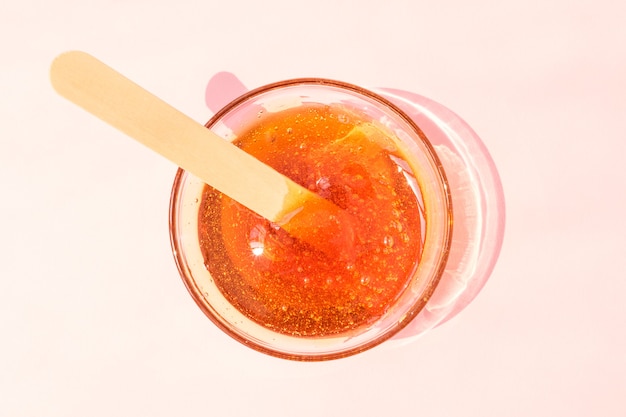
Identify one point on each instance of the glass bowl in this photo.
(431, 189)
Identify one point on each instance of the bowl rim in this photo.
(413, 310)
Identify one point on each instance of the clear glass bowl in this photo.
(433, 191)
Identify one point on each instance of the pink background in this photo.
(95, 321)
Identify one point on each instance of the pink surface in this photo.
(94, 318)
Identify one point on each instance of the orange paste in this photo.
(287, 285)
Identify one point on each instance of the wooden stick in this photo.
(107, 94)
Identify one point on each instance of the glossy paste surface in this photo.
(288, 285)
